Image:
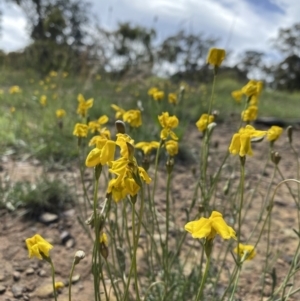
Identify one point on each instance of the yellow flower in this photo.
(12, 109)
(172, 147)
(103, 153)
(98, 77)
(241, 141)
(119, 111)
(204, 121)
(209, 227)
(53, 74)
(94, 126)
(215, 56)
(43, 100)
(80, 130)
(15, 90)
(117, 189)
(37, 246)
(274, 133)
(253, 100)
(252, 88)
(151, 91)
(168, 123)
(59, 285)
(65, 74)
(158, 95)
(102, 119)
(147, 147)
(172, 98)
(247, 252)
(60, 113)
(133, 117)
(84, 105)
(237, 95)
(125, 142)
(250, 114)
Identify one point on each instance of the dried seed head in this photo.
(79, 255)
(289, 131)
(120, 126)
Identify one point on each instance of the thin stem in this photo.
(203, 280)
(53, 278)
(70, 280)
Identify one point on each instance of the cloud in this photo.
(13, 33)
(239, 24)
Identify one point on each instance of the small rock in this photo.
(42, 273)
(17, 290)
(26, 298)
(16, 275)
(2, 289)
(65, 236)
(70, 243)
(69, 213)
(44, 291)
(29, 271)
(48, 218)
(75, 278)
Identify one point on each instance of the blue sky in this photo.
(239, 24)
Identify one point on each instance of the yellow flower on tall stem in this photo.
(209, 227)
(15, 90)
(250, 114)
(151, 91)
(241, 141)
(119, 111)
(216, 56)
(204, 121)
(274, 133)
(43, 100)
(171, 147)
(246, 252)
(84, 105)
(133, 117)
(172, 98)
(80, 130)
(237, 95)
(168, 123)
(147, 147)
(60, 113)
(158, 95)
(38, 247)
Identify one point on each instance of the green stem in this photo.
(167, 228)
(203, 280)
(70, 280)
(53, 278)
(135, 246)
(237, 276)
(242, 184)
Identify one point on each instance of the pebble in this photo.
(70, 243)
(29, 271)
(16, 275)
(42, 273)
(48, 218)
(65, 236)
(75, 278)
(44, 291)
(17, 290)
(2, 289)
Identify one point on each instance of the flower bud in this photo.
(120, 126)
(79, 255)
(289, 131)
(275, 157)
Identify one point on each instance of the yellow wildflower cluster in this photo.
(84, 105)
(132, 117)
(15, 90)
(204, 121)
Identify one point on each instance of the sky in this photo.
(238, 24)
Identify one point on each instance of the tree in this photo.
(287, 73)
(57, 30)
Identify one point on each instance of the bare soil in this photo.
(31, 277)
